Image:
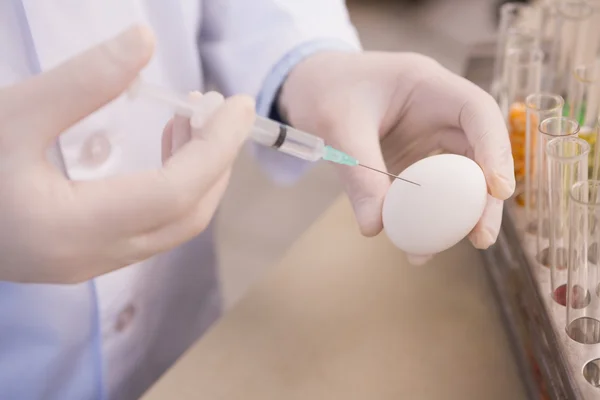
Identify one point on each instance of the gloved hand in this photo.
(60, 231)
(413, 106)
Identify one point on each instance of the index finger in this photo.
(482, 122)
(133, 204)
(50, 103)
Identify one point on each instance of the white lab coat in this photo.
(113, 336)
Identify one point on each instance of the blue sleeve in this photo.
(267, 97)
(282, 168)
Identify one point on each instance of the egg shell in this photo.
(428, 219)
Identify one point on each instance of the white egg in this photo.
(433, 217)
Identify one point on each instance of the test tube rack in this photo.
(550, 363)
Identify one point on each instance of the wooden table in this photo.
(345, 317)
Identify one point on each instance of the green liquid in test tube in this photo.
(579, 118)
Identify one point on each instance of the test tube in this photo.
(592, 45)
(540, 106)
(550, 128)
(515, 40)
(522, 77)
(596, 161)
(583, 303)
(548, 27)
(567, 164)
(547, 18)
(584, 105)
(573, 19)
(519, 27)
(583, 98)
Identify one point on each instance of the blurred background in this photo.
(442, 29)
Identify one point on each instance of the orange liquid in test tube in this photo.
(517, 129)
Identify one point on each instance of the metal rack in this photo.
(551, 365)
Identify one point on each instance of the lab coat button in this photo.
(96, 150)
(124, 318)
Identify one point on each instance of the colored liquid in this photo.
(517, 126)
(589, 135)
(580, 298)
(517, 130)
(567, 112)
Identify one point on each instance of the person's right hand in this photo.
(53, 230)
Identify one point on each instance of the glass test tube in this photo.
(573, 19)
(548, 27)
(592, 44)
(518, 28)
(522, 76)
(567, 164)
(550, 128)
(596, 161)
(547, 10)
(584, 105)
(540, 106)
(583, 302)
(515, 40)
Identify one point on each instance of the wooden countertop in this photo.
(345, 317)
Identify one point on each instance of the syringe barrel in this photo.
(265, 131)
(180, 104)
(288, 140)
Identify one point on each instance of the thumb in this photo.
(48, 104)
(134, 204)
(358, 136)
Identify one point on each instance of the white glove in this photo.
(60, 231)
(413, 106)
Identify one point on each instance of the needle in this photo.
(387, 173)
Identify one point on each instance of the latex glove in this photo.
(56, 230)
(413, 106)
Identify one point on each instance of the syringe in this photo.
(265, 132)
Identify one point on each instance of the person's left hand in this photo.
(413, 106)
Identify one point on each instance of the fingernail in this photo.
(368, 215)
(482, 239)
(133, 45)
(207, 105)
(502, 187)
(195, 97)
(418, 260)
(212, 101)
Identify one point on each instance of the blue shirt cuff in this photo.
(282, 168)
(267, 98)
